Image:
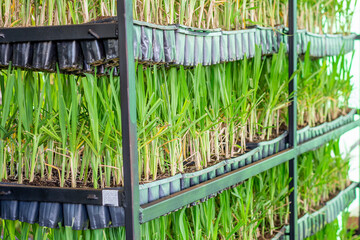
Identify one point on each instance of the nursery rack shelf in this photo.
(165, 205)
(114, 196)
(129, 195)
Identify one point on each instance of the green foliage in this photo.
(69, 127)
(321, 173)
(324, 88)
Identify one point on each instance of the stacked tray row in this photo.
(310, 224)
(308, 133)
(324, 45)
(96, 217)
(175, 44)
(81, 216)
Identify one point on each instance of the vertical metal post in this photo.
(358, 112)
(293, 117)
(128, 118)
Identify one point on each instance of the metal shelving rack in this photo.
(128, 197)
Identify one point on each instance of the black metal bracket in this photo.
(104, 197)
(90, 31)
(357, 37)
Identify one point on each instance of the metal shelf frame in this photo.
(128, 196)
(90, 31)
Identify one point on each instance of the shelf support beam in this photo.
(292, 112)
(88, 31)
(128, 119)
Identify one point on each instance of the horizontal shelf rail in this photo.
(109, 197)
(180, 199)
(90, 31)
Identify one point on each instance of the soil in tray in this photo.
(274, 135)
(53, 182)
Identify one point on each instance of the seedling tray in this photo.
(171, 45)
(310, 224)
(318, 220)
(308, 133)
(318, 44)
